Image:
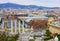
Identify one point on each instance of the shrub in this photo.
(3, 37)
(48, 35)
(58, 36)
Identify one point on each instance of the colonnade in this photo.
(18, 26)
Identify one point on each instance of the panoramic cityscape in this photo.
(29, 20)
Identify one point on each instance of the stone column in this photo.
(23, 26)
(12, 26)
(19, 25)
(3, 24)
(31, 28)
(15, 26)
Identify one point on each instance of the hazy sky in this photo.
(48, 3)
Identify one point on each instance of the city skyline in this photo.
(47, 3)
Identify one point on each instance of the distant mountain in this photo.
(12, 5)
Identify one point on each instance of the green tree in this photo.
(58, 36)
(3, 37)
(48, 33)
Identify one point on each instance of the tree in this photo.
(48, 35)
(4, 37)
(58, 36)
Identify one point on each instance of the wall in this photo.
(54, 29)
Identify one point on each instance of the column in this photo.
(12, 26)
(15, 26)
(3, 24)
(31, 28)
(19, 26)
(23, 26)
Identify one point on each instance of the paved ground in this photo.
(24, 36)
(37, 39)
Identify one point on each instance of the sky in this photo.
(47, 3)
